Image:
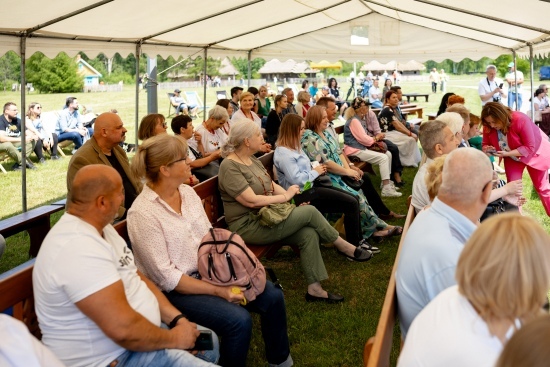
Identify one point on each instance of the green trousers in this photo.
(13, 152)
(304, 227)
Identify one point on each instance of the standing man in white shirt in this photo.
(514, 78)
(434, 79)
(490, 88)
(375, 95)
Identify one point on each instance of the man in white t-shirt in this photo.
(514, 78)
(93, 305)
(375, 95)
(434, 79)
(490, 87)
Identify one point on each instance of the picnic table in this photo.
(415, 95)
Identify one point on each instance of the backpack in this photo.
(225, 260)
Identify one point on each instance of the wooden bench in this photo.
(364, 166)
(36, 222)
(432, 116)
(378, 348)
(412, 110)
(415, 95)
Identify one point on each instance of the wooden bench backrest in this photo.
(378, 348)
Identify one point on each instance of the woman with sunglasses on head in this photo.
(274, 119)
(166, 226)
(246, 187)
(48, 140)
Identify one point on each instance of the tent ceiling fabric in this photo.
(399, 30)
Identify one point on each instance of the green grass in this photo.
(320, 335)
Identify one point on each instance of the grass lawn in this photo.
(320, 335)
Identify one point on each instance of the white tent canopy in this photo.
(398, 30)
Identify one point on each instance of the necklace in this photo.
(266, 192)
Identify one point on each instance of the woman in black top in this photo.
(274, 119)
(335, 91)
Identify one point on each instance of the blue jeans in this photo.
(377, 104)
(171, 357)
(233, 323)
(512, 100)
(75, 137)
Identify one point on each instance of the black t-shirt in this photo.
(13, 128)
(130, 193)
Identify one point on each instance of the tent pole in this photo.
(205, 81)
(23, 137)
(355, 79)
(531, 69)
(152, 85)
(136, 122)
(249, 68)
(515, 79)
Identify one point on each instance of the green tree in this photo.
(57, 75)
(242, 65)
(10, 67)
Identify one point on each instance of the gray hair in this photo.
(240, 129)
(218, 113)
(453, 120)
(465, 173)
(489, 67)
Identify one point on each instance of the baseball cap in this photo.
(510, 65)
(177, 91)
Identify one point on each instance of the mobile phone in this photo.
(500, 86)
(204, 341)
(491, 151)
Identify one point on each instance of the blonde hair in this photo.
(461, 110)
(246, 94)
(289, 131)
(157, 151)
(528, 346)
(434, 176)
(240, 130)
(302, 96)
(147, 125)
(503, 269)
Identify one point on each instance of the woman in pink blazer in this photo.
(514, 137)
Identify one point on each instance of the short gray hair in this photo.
(218, 113)
(453, 120)
(489, 67)
(240, 130)
(465, 173)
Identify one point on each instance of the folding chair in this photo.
(170, 95)
(194, 99)
(221, 94)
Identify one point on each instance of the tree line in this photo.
(60, 74)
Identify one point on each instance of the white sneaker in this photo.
(392, 184)
(390, 192)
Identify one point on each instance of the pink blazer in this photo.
(527, 138)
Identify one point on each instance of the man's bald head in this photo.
(466, 173)
(91, 182)
(109, 130)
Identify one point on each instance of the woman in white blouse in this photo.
(166, 226)
(502, 279)
(212, 132)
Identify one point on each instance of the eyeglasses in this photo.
(38, 107)
(177, 160)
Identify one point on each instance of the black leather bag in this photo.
(322, 181)
(351, 182)
(496, 207)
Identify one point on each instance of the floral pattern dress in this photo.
(322, 150)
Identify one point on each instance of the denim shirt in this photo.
(68, 120)
(293, 167)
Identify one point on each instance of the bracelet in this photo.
(175, 320)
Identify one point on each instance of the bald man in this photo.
(437, 236)
(103, 148)
(93, 305)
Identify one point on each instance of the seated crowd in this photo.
(106, 303)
